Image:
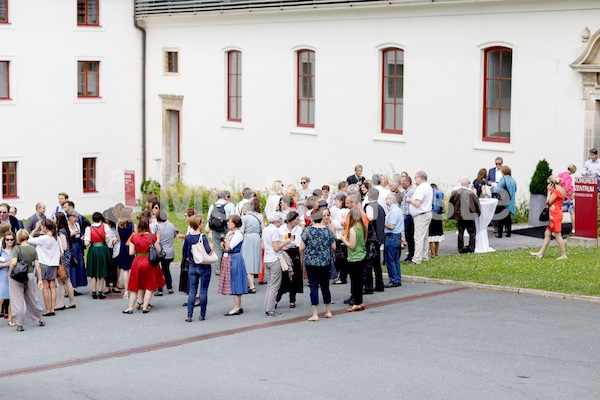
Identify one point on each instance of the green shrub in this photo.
(539, 180)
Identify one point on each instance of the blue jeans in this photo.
(202, 273)
(393, 242)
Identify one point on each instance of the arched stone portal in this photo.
(588, 64)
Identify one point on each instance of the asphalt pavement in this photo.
(417, 341)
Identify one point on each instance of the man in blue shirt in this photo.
(394, 240)
(409, 226)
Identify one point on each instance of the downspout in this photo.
(135, 23)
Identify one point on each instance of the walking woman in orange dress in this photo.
(556, 196)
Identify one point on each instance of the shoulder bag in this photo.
(19, 272)
(201, 256)
(155, 256)
(545, 215)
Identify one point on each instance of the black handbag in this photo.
(19, 273)
(545, 215)
(155, 256)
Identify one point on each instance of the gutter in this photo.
(135, 23)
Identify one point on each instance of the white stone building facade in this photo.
(252, 92)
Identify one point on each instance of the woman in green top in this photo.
(357, 251)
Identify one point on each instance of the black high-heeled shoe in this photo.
(94, 295)
(101, 296)
(238, 312)
(127, 311)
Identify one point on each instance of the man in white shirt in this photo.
(273, 243)
(247, 195)
(420, 206)
(591, 167)
(383, 192)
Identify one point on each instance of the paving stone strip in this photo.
(534, 292)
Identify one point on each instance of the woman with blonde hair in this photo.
(567, 183)
(23, 293)
(291, 191)
(555, 197)
(272, 203)
(357, 252)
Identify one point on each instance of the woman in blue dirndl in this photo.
(233, 279)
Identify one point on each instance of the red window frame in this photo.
(396, 76)
(496, 81)
(4, 8)
(85, 9)
(172, 62)
(310, 83)
(7, 85)
(234, 92)
(9, 170)
(89, 175)
(86, 78)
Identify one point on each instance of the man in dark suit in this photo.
(375, 237)
(494, 175)
(465, 209)
(13, 213)
(357, 177)
(40, 209)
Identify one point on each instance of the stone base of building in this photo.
(582, 241)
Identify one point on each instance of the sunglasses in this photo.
(498, 163)
(3, 212)
(10, 240)
(303, 183)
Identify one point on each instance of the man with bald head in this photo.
(464, 207)
(40, 209)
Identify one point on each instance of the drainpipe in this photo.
(135, 23)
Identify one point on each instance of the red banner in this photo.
(586, 207)
(130, 188)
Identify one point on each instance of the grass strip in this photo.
(580, 274)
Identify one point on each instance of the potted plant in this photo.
(538, 192)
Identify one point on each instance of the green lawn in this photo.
(580, 274)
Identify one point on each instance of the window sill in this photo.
(232, 125)
(389, 137)
(89, 28)
(84, 100)
(495, 146)
(91, 194)
(165, 73)
(10, 197)
(7, 101)
(304, 131)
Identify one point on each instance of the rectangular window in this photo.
(4, 81)
(171, 62)
(9, 179)
(3, 11)
(87, 13)
(306, 88)
(89, 175)
(88, 78)
(392, 105)
(234, 86)
(497, 94)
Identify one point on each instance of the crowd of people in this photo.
(323, 235)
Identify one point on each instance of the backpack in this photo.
(217, 220)
(438, 201)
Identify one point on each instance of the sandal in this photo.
(11, 323)
(139, 306)
(158, 294)
(252, 291)
(171, 291)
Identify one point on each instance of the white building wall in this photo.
(45, 127)
(443, 91)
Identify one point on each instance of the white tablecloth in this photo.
(482, 243)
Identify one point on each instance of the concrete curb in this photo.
(533, 292)
(510, 289)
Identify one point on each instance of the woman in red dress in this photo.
(556, 196)
(145, 278)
